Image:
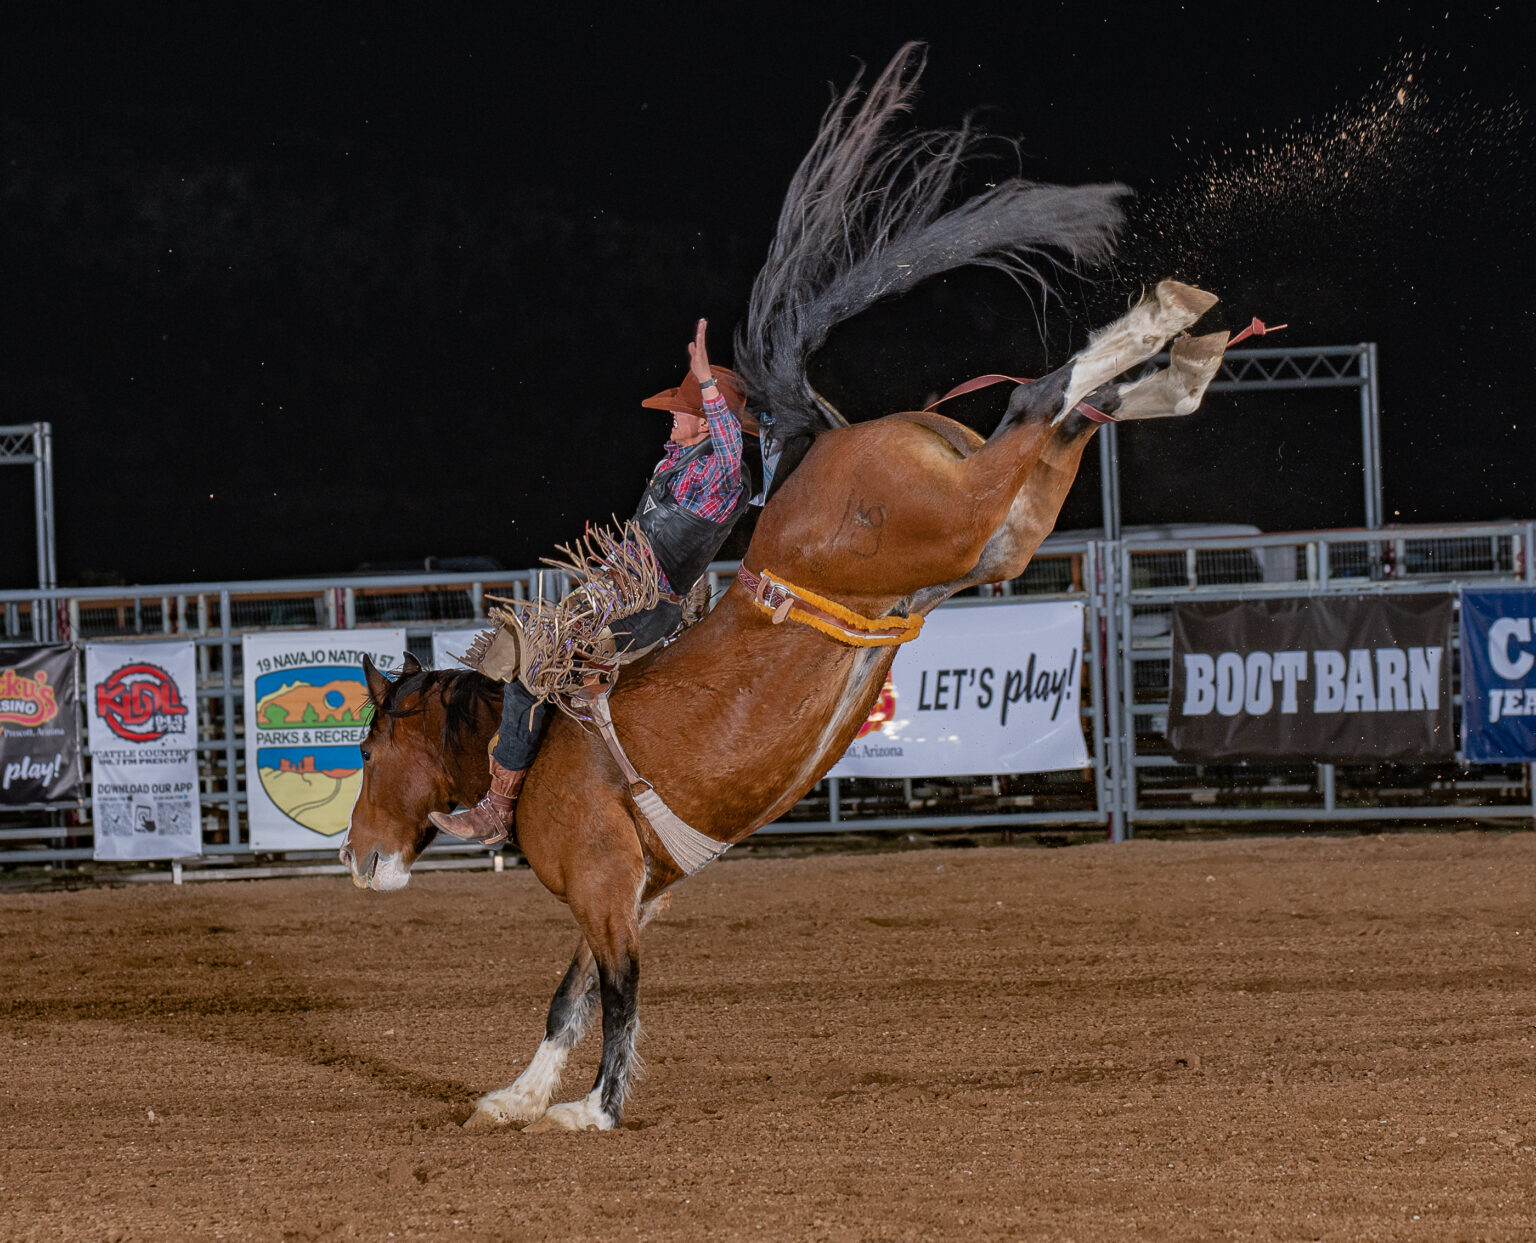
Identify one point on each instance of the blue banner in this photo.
(1498, 675)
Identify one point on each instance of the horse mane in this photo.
(464, 694)
(864, 219)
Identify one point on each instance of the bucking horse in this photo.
(868, 528)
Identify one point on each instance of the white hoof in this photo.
(509, 1107)
(1135, 337)
(527, 1099)
(583, 1115)
(1178, 390)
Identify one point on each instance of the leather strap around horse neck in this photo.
(690, 849)
(991, 378)
(786, 602)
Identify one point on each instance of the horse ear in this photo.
(378, 684)
(410, 664)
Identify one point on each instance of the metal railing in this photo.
(1152, 787)
(1127, 588)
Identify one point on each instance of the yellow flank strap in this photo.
(845, 625)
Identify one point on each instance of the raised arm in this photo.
(724, 427)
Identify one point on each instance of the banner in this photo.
(141, 708)
(306, 709)
(1498, 675)
(449, 645)
(1332, 678)
(39, 725)
(981, 690)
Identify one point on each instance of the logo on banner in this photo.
(983, 690)
(1498, 674)
(307, 725)
(26, 701)
(141, 703)
(1233, 683)
(1506, 637)
(883, 711)
(1320, 678)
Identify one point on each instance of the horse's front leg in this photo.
(607, 905)
(570, 1010)
(570, 1013)
(603, 1107)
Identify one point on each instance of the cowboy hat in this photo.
(687, 399)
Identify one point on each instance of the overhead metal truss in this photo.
(31, 444)
(1324, 366)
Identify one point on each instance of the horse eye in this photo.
(365, 753)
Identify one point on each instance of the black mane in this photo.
(463, 693)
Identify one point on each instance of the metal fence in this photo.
(1150, 787)
(1127, 587)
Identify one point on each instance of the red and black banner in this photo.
(39, 725)
(1330, 678)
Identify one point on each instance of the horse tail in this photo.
(864, 219)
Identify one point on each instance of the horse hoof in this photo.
(548, 1122)
(583, 1115)
(1184, 302)
(483, 1120)
(1195, 353)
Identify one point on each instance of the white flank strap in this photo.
(689, 848)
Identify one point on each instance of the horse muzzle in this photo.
(362, 876)
(382, 873)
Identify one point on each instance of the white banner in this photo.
(141, 701)
(981, 690)
(306, 709)
(449, 645)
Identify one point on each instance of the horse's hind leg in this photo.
(1176, 390)
(570, 1012)
(1133, 338)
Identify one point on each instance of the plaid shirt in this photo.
(711, 486)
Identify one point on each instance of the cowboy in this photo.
(687, 509)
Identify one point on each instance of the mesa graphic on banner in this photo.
(39, 725)
(306, 710)
(141, 704)
(981, 690)
(1498, 674)
(1329, 678)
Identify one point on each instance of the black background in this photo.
(300, 293)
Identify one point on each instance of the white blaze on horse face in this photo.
(390, 873)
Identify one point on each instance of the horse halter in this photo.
(786, 602)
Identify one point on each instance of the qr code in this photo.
(174, 819)
(114, 819)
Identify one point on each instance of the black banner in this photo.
(1340, 678)
(39, 725)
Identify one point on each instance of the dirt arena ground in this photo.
(1307, 1038)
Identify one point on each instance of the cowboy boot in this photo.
(489, 821)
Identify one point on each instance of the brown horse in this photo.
(885, 520)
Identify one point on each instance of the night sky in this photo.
(305, 295)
